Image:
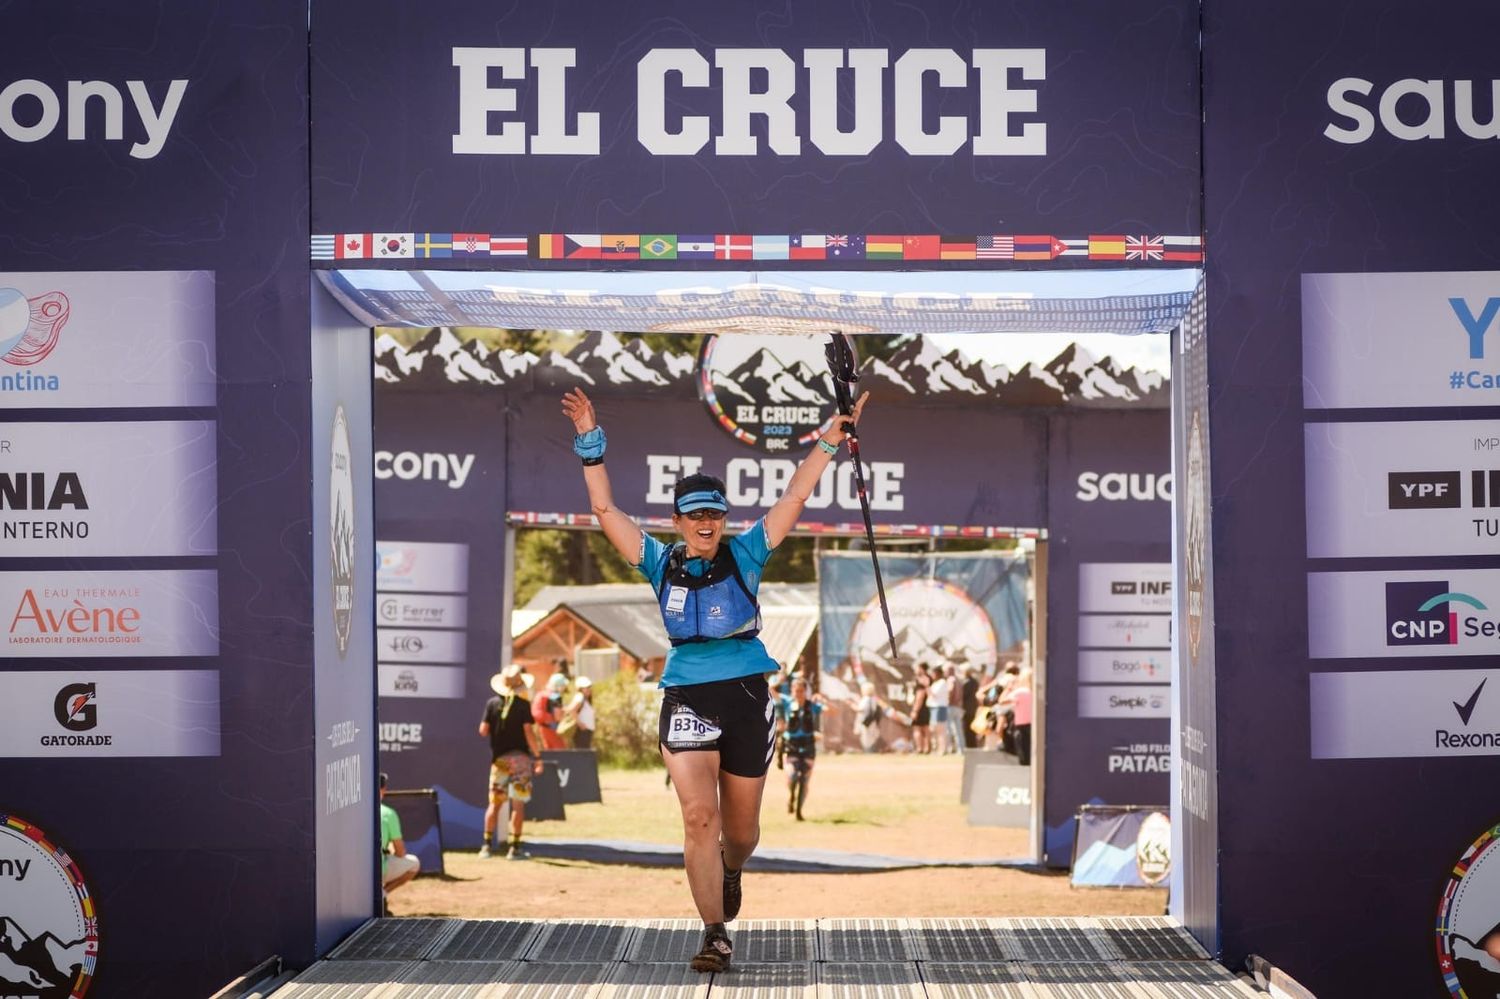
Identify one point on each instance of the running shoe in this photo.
(517, 852)
(716, 952)
(485, 852)
(731, 892)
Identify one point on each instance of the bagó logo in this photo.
(75, 707)
(1419, 613)
(49, 931)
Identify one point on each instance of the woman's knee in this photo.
(742, 840)
(700, 819)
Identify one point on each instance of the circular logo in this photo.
(1468, 922)
(49, 933)
(1197, 534)
(341, 528)
(770, 392)
(1153, 849)
(29, 328)
(935, 622)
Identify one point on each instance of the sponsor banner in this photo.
(107, 339)
(1000, 795)
(421, 610)
(1444, 712)
(400, 737)
(407, 646)
(106, 489)
(1124, 666)
(1434, 329)
(145, 613)
(1113, 587)
(1113, 631)
(1122, 847)
(1135, 701)
(402, 680)
(633, 125)
(80, 713)
(1140, 758)
(427, 466)
(1414, 612)
(421, 566)
(1427, 488)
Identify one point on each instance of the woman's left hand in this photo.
(837, 434)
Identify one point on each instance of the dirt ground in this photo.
(902, 806)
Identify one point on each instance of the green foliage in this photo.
(548, 556)
(625, 727)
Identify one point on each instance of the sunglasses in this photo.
(706, 514)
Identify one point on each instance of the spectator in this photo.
(546, 712)
(397, 867)
(1018, 698)
(799, 718)
(581, 711)
(868, 712)
(515, 755)
(921, 713)
(970, 700)
(938, 710)
(955, 710)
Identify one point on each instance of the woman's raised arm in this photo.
(621, 531)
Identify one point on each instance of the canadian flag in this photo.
(352, 246)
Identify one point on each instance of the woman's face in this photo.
(701, 534)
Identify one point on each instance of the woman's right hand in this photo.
(576, 407)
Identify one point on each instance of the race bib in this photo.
(676, 599)
(685, 730)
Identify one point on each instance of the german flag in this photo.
(958, 247)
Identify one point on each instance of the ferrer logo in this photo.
(1420, 613)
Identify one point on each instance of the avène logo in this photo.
(64, 616)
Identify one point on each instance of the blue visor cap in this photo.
(705, 499)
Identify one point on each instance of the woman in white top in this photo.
(581, 710)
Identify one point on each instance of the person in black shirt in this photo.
(515, 755)
(971, 707)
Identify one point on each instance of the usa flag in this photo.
(995, 248)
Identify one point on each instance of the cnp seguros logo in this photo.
(1424, 612)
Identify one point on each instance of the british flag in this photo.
(1144, 247)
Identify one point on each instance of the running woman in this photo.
(801, 719)
(715, 730)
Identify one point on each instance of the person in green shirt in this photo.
(397, 867)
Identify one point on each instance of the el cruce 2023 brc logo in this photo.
(772, 393)
(49, 930)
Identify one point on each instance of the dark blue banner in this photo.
(593, 132)
(155, 334)
(1109, 601)
(1350, 156)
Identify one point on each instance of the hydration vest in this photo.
(704, 608)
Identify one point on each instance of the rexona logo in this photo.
(1410, 110)
(92, 616)
(49, 931)
(29, 330)
(30, 111)
(1423, 613)
(1117, 486)
(76, 709)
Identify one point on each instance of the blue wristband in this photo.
(827, 447)
(591, 444)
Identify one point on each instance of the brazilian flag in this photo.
(658, 247)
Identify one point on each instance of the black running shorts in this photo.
(730, 717)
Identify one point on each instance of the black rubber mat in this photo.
(765, 981)
(862, 940)
(584, 980)
(394, 940)
(972, 981)
(655, 981)
(343, 980)
(1145, 938)
(958, 940)
(764, 941)
(666, 941)
(488, 940)
(581, 940)
(1079, 980)
(1191, 980)
(1054, 940)
(455, 980)
(872, 980)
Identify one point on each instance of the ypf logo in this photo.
(1420, 613)
(30, 327)
(75, 707)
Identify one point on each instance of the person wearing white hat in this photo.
(515, 755)
(581, 712)
(715, 728)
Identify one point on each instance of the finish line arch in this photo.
(169, 180)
